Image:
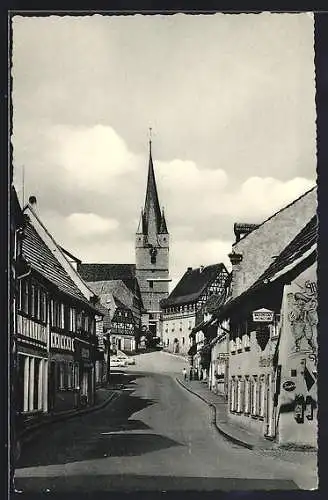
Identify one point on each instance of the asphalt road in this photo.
(154, 436)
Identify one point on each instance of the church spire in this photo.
(152, 211)
(163, 226)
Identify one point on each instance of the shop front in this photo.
(31, 384)
(62, 369)
(85, 358)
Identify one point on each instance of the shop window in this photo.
(240, 395)
(19, 389)
(233, 394)
(261, 396)
(61, 385)
(254, 396)
(76, 376)
(37, 368)
(247, 396)
(70, 376)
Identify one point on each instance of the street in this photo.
(154, 436)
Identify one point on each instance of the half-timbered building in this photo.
(185, 306)
(123, 329)
(55, 334)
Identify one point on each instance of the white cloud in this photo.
(90, 225)
(200, 203)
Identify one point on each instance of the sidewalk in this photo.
(103, 396)
(220, 419)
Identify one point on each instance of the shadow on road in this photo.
(106, 433)
(97, 484)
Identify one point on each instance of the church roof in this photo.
(151, 199)
(163, 226)
(192, 284)
(107, 272)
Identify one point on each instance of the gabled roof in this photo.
(303, 242)
(109, 272)
(192, 285)
(302, 247)
(274, 215)
(16, 210)
(42, 260)
(71, 256)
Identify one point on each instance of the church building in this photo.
(147, 279)
(152, 255)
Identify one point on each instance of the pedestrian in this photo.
(184, 371)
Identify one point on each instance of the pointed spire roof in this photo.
(163, 226)
(152, 195)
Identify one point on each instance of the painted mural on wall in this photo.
(303, 316)
(297, 387)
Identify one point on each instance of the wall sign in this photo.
(289, 386)
(263, 316)
(63, 342)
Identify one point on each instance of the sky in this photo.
(231, 103)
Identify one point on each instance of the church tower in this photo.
(152, 254)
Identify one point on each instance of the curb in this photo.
(24, 437)
(228, 436)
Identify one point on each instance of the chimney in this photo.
(189, 269)
(201, 268)
(32, 202)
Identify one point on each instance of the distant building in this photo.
(117, 287)
(123, 329)
(185, 306)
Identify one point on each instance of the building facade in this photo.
(123, 329)
(55, 333)
(152, 245)
(186, 305)
(272, 331)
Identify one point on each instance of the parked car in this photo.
(116, 362)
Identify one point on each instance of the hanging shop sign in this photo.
(289, 386)
(263, 316)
